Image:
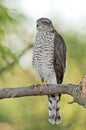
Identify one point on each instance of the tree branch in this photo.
(34, 90)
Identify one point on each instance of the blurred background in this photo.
(17, 34)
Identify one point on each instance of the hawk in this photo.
(49, 61)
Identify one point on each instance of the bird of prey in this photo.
(49, 61)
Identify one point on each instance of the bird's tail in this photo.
(54, 109)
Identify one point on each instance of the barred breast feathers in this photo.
(43, 54)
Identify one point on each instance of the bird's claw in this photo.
(42, 85)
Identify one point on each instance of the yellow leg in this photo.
(42, 85)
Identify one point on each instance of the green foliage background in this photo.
(31, 113)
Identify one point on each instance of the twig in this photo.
(15, 61)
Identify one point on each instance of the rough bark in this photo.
(34, 90)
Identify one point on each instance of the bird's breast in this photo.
(43, 55)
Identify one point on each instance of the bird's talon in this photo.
(41, 89)
(42, 85)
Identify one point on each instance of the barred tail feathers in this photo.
(54, 109)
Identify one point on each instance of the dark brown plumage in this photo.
(59, 57)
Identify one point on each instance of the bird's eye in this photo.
(44, 22)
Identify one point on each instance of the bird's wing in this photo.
(59, 57)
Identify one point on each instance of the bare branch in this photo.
(34, 90)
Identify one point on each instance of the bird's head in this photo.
(44, 24)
